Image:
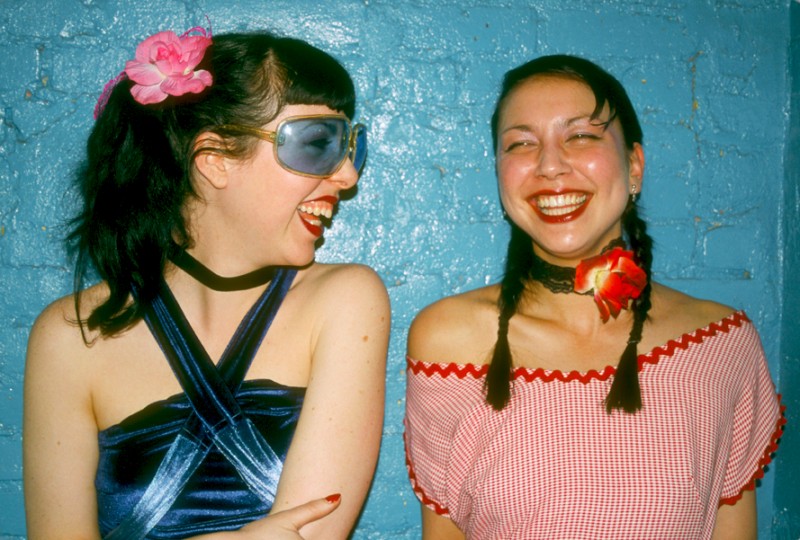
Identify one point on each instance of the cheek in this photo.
(613, 172)
(512, 171)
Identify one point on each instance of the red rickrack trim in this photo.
(423, 497)
(653, 357)
(765, 460)
(445, 370)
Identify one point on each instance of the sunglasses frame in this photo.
(272, 136)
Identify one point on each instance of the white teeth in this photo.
(558, 211)
(559, 205)
(317, 209)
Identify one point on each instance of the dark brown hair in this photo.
(625, 393)
(136, 180)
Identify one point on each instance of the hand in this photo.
(283, 525)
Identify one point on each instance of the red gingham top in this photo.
(554, 465)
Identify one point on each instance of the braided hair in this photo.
(521, 263)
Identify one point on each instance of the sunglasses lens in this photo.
(315, 146)
(359, 152)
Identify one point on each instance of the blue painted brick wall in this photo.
(710, 78)
(786, 510)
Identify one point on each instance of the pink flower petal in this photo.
(168, 67)
(146, 74)
(147, 95)
(176, 86)
(149, 47)
(165, 65)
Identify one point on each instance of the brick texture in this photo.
(710, 79)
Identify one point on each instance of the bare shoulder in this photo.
(343, 284)
(342, 296)
(460, 328)
(325, 274)
(56, 342)
(57, 325)
(59, 426)
(675, 313)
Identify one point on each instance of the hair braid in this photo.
(518, 263)
(625, 392)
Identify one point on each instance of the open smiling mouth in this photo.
(316, 215)
(558, 208)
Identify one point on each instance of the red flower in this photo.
(615, 279)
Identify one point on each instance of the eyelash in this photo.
(577, 136)
(517, 144)
(584, 136)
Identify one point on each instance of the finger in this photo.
(304, 514)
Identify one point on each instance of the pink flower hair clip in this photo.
(164, 66)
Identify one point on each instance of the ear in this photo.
(636, 166)
(209, 160)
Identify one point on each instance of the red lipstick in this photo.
(310, 211)
(559, 207)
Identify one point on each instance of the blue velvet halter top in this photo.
(215, 498)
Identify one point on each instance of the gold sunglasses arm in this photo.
(247, 130)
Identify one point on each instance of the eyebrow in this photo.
(569, 122)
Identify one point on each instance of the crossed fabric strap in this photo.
(217, 419)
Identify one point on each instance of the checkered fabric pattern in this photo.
(554, 465)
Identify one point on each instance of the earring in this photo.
(634, 194)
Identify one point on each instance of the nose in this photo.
(552, 161)
(346, 177)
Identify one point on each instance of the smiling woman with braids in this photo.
(577, 398)
(210, 379)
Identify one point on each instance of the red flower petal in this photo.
(601, 305)
(615, 279)
(635, 275)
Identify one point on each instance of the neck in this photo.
(210, 279)
(561, 279)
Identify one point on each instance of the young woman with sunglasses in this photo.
(216, 374)
(577, 398)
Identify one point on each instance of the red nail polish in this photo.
(333, 498)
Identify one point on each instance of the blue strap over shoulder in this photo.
(217, 419)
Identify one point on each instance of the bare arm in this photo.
(60, 435)
(336, 444)
(737, 521)
(281, 525)
(436, 527)
(61, 450)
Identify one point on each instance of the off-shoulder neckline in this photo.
(477, 371)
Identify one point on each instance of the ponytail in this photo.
(133, 187)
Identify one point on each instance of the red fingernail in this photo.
(333, 498)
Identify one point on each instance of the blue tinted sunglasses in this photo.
(315, 145)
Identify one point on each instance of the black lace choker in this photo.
(561, 279)
(201, 273)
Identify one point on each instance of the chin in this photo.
(300, 261)
(574, 252)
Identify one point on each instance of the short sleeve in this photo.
(445, 415)
(757, 424)
(425, 442)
